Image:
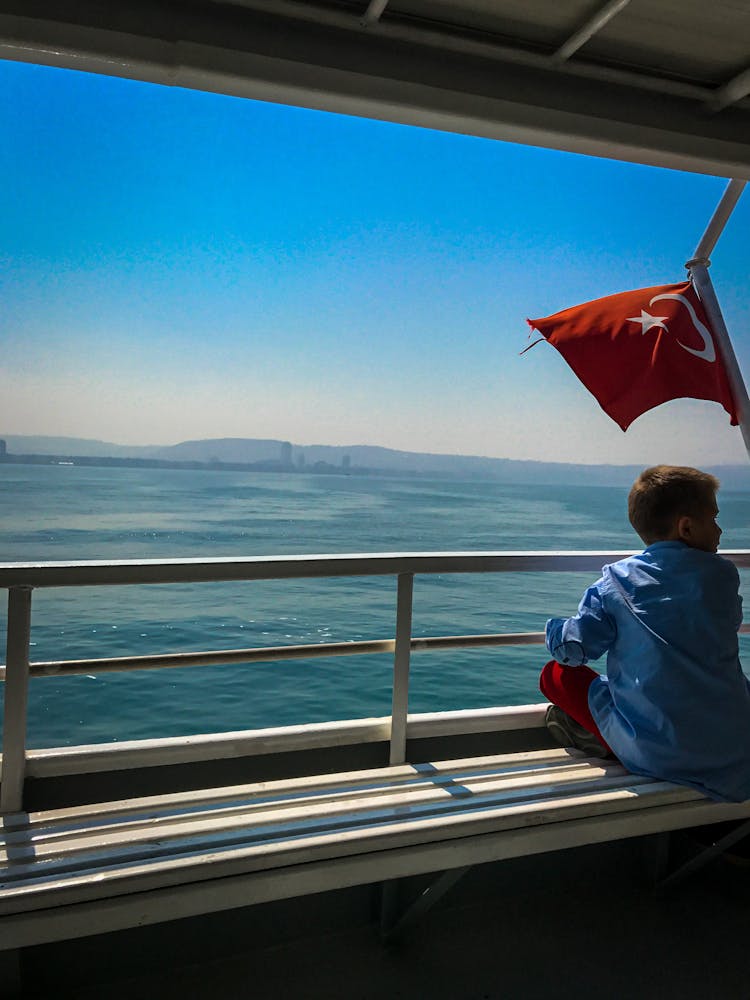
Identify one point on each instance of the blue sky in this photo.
(183, 265)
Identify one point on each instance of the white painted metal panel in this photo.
(128, 754)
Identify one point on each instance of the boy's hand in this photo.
(568, 652)
(575, 641)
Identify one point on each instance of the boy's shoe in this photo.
(569, 733)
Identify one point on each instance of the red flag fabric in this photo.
(638, 349)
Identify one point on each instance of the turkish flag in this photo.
(638, 349)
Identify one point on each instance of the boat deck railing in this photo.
(21, 579)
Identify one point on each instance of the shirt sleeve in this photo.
(575, 641)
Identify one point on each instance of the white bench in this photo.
(72, 872)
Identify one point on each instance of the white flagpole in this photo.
(698, 266)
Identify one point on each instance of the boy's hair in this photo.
(664, 493)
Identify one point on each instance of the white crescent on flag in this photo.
(708, 352)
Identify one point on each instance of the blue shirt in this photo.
(675, 703)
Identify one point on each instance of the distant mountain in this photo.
(23, 444)
(247, 451)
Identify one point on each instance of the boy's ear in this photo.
(684, 528)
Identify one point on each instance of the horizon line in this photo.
(398, 451)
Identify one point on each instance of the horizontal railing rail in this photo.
(149, 571)
(22, 578)
(266, 654)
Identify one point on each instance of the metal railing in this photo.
(21, 579)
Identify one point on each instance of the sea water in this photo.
(57, 512)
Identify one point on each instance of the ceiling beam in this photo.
(429, 35)
(374, 12)
(587, 31)
(732, 91)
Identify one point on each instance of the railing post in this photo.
(401, 668)
(16, 699)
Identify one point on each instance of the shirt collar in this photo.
(666, 545)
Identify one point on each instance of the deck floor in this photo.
(580, 923)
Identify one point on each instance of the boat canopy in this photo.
(659, 82)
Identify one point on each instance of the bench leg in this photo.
(704, 857)
(10, 973)
(391, 924)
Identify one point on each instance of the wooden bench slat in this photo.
(388, 835)
(61, 835)
(286, 787)
(292, 818)
(41, 825)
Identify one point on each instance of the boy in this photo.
(675, 703)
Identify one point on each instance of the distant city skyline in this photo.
(182, 266)
(275, 456)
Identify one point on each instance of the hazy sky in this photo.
(183, 265)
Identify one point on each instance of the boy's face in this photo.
(701, 531)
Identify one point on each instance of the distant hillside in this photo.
(223, 450)
(247, 451)
(22, 444)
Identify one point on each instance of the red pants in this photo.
(568, 688)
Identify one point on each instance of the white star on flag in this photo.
(648, 321)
